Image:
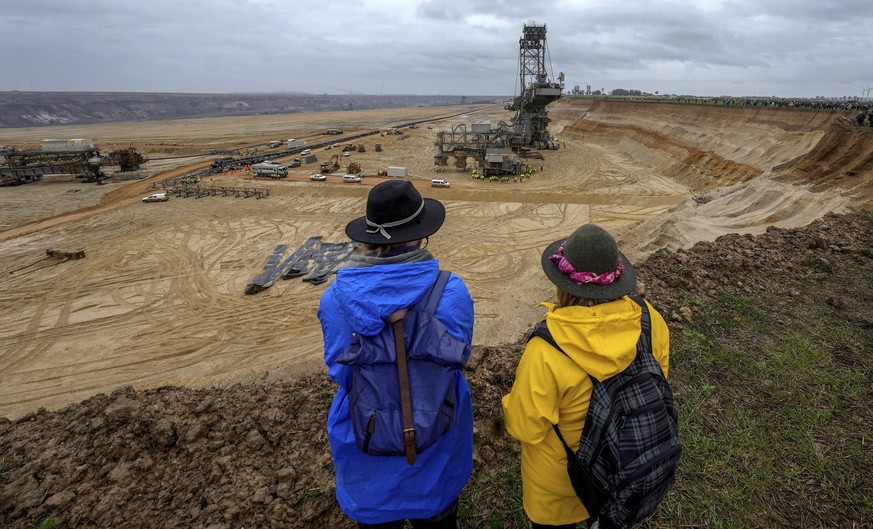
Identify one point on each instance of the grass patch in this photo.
(48, 523)
(774, 426)
(8, 462)
(492, 498)
(816, 263)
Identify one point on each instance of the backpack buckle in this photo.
(409, 444)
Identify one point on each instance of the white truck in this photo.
(271, 169)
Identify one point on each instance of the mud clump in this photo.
(250, 455)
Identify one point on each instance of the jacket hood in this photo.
(602, 340)
(367, 295)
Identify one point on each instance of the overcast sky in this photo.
(787, 48)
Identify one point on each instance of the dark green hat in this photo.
(588, 265)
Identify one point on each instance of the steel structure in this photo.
(537, 91)
(500, 150)
(21, 167)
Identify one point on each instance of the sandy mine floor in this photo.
(159, 297)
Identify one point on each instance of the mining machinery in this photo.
(537, 91)
(330, 165)
(126, 159)
(501, 149)
(21, 167)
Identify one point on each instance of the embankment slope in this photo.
(745, 168)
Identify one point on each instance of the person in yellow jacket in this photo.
(597, 326)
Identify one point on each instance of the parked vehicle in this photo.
(304, 152)
(317, 177)
(352, 178)
(156, 197)
(294, 163)
(271, 169)
(396, 171)
(440, 183)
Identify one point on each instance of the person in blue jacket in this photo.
(393, 271)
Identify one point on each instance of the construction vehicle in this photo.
(353, 168)
(330, 165)
(361, 148)
(378, 147)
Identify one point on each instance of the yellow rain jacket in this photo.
(553, 388)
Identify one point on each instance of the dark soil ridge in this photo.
(257, 455)
(34, 109)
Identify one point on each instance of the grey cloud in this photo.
(364, 45)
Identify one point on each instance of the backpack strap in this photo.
(396, 319)
(427, 304)
(645, 326)
(542, 330)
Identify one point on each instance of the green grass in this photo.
(816, 263)
(8, 462)
(48, 523)
(493, 499)
(772, 423)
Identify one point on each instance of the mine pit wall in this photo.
(702, 146)
(749, 168)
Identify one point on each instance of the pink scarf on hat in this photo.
(565, 267)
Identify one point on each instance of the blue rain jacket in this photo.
(377, 489)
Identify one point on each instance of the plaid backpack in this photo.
(627, 457)
(402, 397)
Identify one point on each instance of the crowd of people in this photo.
(398, 331)
(835, 105)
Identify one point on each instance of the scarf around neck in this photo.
(364, 261)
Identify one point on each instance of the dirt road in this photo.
(159, 298)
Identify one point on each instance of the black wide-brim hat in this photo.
(396, 213)
(590, 249)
